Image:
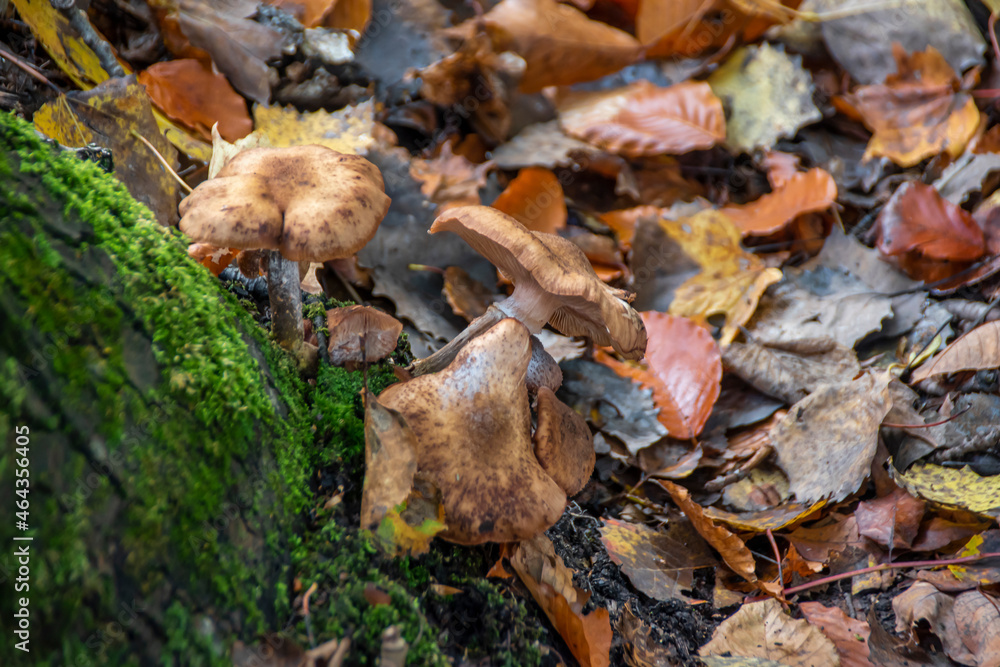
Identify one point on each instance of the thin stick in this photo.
(777, 558)
(29, 69)
(162, 160)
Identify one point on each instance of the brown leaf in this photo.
(535, 199)
(805, 192)
(450, 179)
(837, 543)
(310, 13)
(826, 443)
(683, 367)
(468, 297)
(659, 563)
(390, 461)
(730, 547)
(551, 584)
(849, 635)
(918, 112)
(892, 520)
(922, 604)
(192, 94)
(646, 120)
(641, 648)
(560, 45)
(977, 349)
(764, 630)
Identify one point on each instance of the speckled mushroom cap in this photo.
(351, 325)
(310, 202)
(564, 445)
(589, 306)
(473, 428)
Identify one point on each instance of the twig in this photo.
(100, 46)
(943, 421)
(777, 558)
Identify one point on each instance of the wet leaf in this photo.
(849, 635)
(659, 563)
(892, 520)
(732, 549)
(826, 442)
(348, 130)
(977, 349)
(551, 584)
(189, 92)
(767, 96)
(765, 630)
(535, 199)
(646, 120)
(955, 487)
(918, 112)
(560, 45)
(804, 192)
(682, 367)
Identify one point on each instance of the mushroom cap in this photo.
(556, 266)
(350, 325)
(310, 202)
(473, 429)
(543, 370)
(564, 445)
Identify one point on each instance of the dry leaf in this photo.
(730, 547)
(967, 625)
(761, 520)
(646, 120)
(682, 367)
(918, 112)
(348, 130)
(535, 199)
(390, 461)
(849, 635)
(827, 441)
(978, 349)
(450, 179)
(955, 487)
(467, 297)
(659, 563)
(764, 630)
(551, 584)
(892, 520)
(806, 192)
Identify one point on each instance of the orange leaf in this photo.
(551, 584)
(645, 120)
(918, 112)
(805, 192)
(559, 44)
(189, 92)
(683, 367)
(309, 13)
(917, 219)
(623, 222)
(535, 199)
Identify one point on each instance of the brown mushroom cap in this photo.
(310, 202)
(564, 445)
(543, 370)
(473, 429)
(553, 268)
(351, 325)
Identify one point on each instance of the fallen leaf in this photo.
(761, 521)
(967, 175)
(535, 199)
(967, 625)
(805, 192)
(189, 92)
(767, 95)
(310, 13)
(212, 257)
(918, 112)
(348, 130)
(849, 635)
(682, 367)
(560, 45)
(954, 487)
(641, 649)
(407, 529)
(978, 349)
(551, 584)
(764, 630)
(732, 549)
(826, 442)
(659, 563)
(791, 369)
(467, 297)
(835, 542)
(543, 145)
(892, 520)
(731, 281)
(642, 119)
(223, 151)
(450, 179)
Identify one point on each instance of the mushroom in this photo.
(543, 370)
(564, 445)
(553, 283)
(473, 429)
(303, 204)
(361, 334)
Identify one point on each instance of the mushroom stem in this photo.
(531, 306)
(286, 301)
(440, 359)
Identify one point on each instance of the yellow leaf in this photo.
(957, 487)
(347, 131)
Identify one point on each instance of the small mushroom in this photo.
(304, 204)
(473, 428)
(553, 283)
(361, 335)
(564, 445)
